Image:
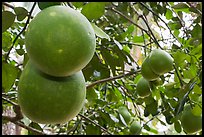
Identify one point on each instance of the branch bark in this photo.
(18, 117)
(111, 78)
(161, 20)
(82, 116)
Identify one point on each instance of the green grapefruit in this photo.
(60, 41)
(143, 87)
(135, 128)
(190, 123)
(50, 100)
(146, 70)
(160, 61)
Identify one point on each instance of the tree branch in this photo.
(29, 128)
(145, 20)
(161, 20)
(111, 78)
(82, 116)
(24, 28)
(18, 117)
(180, 80)
(116, 11)
(12, 7)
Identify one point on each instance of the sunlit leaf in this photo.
(197, 110)
(99, 32)
(93, 10)
(9, 75)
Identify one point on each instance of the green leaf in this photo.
(152, 108)
(21, 13)
(78, 4)
(35, 126)
(197, 89)
(138, 39)
(43, 5)
(92, 130)
(93, 10)
(195, 10)
(179, 57)
(20, 51)
(146, 127)
(186, 80)
(99, 32)
(153, 130)
(197, 31)
(180, 6)
(177, 126)
(91, 95)
(7, 20)
(169, 14)
(197, 110)
(9, 75)
(6, 41)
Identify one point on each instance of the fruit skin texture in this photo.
(50, 100)
(146, 70)
(60, 41)
(190, 123)
(124, 112)
(135, 128)
(160, 61)
(143, 87)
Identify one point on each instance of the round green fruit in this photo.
(146, 70)
(135, 128)
(143, 88)
(50, 100)
(60, 41)
(125, 114)
(190, 123)
(160, 61)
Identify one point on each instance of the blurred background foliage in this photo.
(126, 32)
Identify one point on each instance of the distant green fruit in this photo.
(143, 88)
(50, 100)
(146, 70)
(190, 123)
(125, 114)
(135, 128)
(160, 61)
(60, 41)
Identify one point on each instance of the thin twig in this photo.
(24, 28)
(145, 20)
(111, 78)
(127, 18)
(18, 117)
(29, 128)
(180, 80)
(161, 20)
(82, 116)
(12, 7)
(9, 101)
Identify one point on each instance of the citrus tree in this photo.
(102, 68)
